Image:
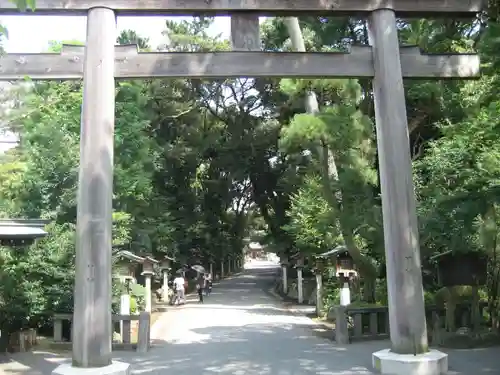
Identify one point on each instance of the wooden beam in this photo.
(130, 64)
(245, 32)
(263, 7)
(416, 64)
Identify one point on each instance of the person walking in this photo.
(179, 284)
(208, 284)
(200, 287)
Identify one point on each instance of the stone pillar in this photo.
(319, 291)
(165, 285)
(284, 275)
(165, 267)
(300, 286)
(124, 310)
(408, 330)
(345, 292)
(147, 292)
(300, 281)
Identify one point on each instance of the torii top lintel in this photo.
(405, 8)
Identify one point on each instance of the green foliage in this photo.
(311, 218)
(37, 281)
(24, 5)
(56, 46)
(200, 165)
(137, 293)
(134, 308)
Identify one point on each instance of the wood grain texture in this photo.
(245, 32)
(264, 7)
(128, 65)
(92, 326)
(408, 329)
(143, 336)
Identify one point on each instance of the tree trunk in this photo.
(329, 173)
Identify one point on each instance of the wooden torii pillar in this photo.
(384, 61)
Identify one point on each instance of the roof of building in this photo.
(22, 228)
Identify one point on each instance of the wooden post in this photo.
(143, 334)
(92, 309)
(404, 279)
(245, 34)
(341, 326)
(57, 329)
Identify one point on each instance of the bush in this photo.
(133, 306)
(331, 294)
(117, 289)
(37, 282)
(138, 293)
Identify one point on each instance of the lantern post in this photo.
(148, 272)
(300, 280)
(166, 266)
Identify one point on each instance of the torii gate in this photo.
(101, 62)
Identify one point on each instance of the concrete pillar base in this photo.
(433, 362)
(115, 368)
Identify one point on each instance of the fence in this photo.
(126, 342)
(372, 323)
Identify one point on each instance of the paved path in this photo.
(242, 330)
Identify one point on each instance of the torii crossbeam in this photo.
(102, 62)
(129, 64)
(262, 7)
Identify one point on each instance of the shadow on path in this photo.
(241, 329)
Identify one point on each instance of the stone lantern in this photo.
(300, 282)
(124, 268)
(125, 264)
(318, 271)
(284, 274)
(211, 267)
(148, 272)
(166, 266)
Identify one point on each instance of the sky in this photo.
(32, 34)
